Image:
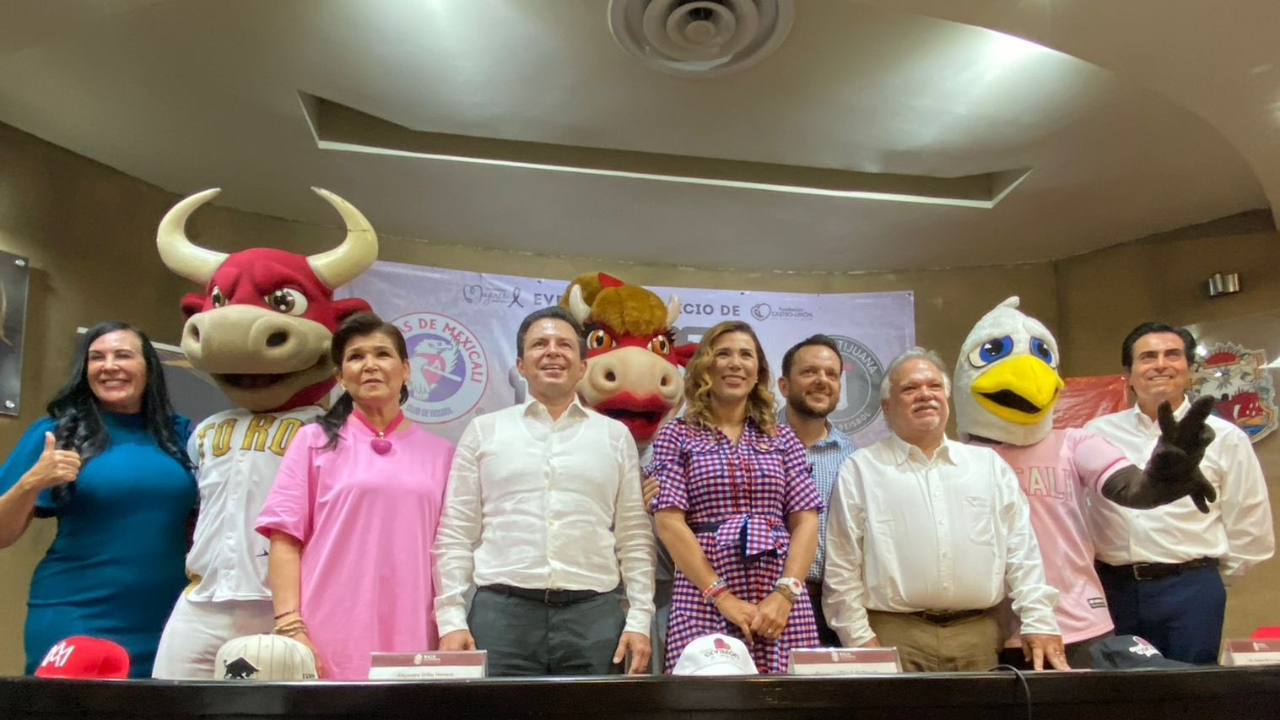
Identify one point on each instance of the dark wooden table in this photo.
(1200, 694)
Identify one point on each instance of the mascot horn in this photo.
(262, 325)
(633, 375)
(261, 328)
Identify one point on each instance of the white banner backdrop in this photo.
(461, 331)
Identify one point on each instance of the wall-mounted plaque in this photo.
(14, 272)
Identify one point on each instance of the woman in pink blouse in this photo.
(736, 507)
(353, 513)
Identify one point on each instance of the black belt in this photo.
(705, 527)
(946, 617)
(554, 598)
(1156, 571)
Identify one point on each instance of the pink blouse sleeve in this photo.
(291, 503)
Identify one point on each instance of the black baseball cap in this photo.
(1130, 652)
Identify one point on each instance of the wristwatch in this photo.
(789, 587)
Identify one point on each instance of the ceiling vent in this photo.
(700, 38)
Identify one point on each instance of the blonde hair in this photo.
(697, 380)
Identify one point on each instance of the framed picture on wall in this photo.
(14, 273)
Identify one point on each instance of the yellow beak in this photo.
(1019, 390)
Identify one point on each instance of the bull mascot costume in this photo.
(261, 328)
(633, 376)
(1006, 386)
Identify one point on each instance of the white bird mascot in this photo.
(1006, 385)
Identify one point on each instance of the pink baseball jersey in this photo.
(1054, 474)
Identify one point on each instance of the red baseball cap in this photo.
(84, 657)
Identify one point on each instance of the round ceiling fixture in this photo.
(701, 38)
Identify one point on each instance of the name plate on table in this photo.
(455, 664)
(845, 661)
(1240, 653)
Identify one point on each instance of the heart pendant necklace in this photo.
(380, 444)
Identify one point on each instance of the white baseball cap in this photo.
(269, 658)
(715, 655)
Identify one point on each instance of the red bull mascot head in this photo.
(263, 325)
(633, 363)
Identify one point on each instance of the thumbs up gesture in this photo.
(55, 467)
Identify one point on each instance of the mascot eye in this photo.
(660, 345)
(1041, 349)
(599, 340)
(991, 351)
(287, 301)
(216, 298)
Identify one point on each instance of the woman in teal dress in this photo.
(110, 463)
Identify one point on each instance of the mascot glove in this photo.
(1174, 467)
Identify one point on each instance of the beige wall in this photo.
(85, 228)
(78, 221)
(1104, 295)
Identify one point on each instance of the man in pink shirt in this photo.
(1006, 386)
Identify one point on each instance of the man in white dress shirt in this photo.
(1164, 569)
(543, 516)
(924, 535)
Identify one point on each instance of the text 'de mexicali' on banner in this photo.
(461, 326)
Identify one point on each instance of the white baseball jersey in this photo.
(236, 454)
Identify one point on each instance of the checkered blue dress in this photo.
(747, 488)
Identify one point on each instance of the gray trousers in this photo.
(528, 637)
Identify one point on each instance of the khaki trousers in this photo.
(968, 645)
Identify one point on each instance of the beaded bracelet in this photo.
(291, 628)
(714, 591)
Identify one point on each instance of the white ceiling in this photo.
(1183, 125)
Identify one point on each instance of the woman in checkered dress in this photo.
(736, 504)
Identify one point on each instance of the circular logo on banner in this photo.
(448, 368)
(761, 311)
(860, 386)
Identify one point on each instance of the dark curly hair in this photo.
(78, 417)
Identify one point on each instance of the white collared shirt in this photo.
(906, 533)
(543, 504)
(1237, 530)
